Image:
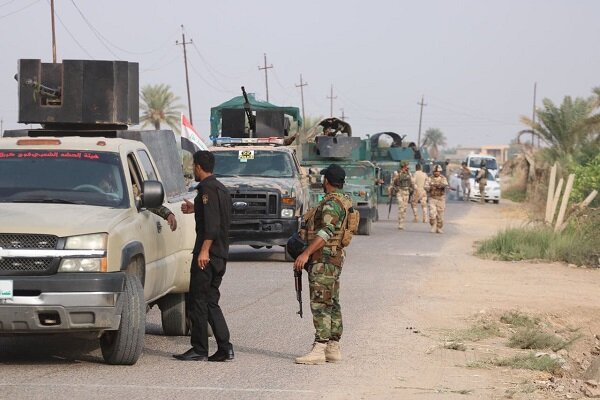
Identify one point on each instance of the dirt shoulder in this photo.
(466, 291)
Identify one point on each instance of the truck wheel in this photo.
(364, 227)
(173, 315)
(124, 346)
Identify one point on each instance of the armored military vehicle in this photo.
(268, 188)
(80, 248)
(388, 157)
(330, 142)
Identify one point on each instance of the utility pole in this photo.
(422, 104)
(53, 32)
(266, 77)
(344, 117)
(331, 98)
(533, 116)
(301, 86)
(187, 79)
(1, 127)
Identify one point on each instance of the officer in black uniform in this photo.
(212, 209)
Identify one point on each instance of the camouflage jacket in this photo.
(329, 217)
(403, 180)
(436, 186)
(465, 174)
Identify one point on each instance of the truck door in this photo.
(167, 241)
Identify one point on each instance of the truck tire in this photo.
(124, 346)
(364, 227)
(173, 315)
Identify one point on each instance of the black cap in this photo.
(334, 174)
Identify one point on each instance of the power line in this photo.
(72, 36)
(207, 82)
(105, 40)
(19, 10)
(7, 3)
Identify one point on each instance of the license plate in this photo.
(6, 290)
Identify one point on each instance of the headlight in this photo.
(287, 213)
(96, 241)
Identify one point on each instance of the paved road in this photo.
(259, 303)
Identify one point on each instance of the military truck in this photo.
(80, 248)
(388, 157)
(330, 142)
(268, 188)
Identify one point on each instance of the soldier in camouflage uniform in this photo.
(403, 185)
(481, 179)
(436, 187)
(419, 196)
(325, 256)
(465, 183)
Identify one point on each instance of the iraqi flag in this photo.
(190, 140)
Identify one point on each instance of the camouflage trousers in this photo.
(402, 199)
(324, 285)
(437, 206)
(465, 185)
(419, 197)
(482, 192)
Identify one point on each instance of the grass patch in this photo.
(481, 330)
(530, 361)
(531, 338)
(519, 319)
(458, 346)
(578, 244)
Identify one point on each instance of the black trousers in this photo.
(203, 307)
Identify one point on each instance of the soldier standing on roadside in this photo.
(436, 186)
(325, 256)
(465, 181)
(212, 210)
(419, 196)
(403, 184)
(481, 179)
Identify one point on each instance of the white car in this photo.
(492, 188)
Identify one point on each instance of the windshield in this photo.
(490, 163)
(353, 172)
(265, 163)
(71, 177)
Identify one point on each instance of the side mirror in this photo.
(153, 194)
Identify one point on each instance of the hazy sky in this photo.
(474, 61)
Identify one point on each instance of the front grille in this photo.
(25, 241)
(25, 265)
(254, 204)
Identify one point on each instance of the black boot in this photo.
(223, 355)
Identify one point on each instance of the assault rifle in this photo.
(298, 284)
(392, 195)
(249, 115)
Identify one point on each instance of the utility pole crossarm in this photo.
(187, 79)
(265, 68)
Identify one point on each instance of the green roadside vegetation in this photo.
(570, 133)
(578, 244)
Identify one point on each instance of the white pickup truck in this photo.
(80, 248)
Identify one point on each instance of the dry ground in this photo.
(465, 290)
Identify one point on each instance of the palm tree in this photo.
(158, 106)
(434, 139)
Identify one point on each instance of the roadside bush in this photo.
(518, 194)
(587, 178)
(578, 244)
